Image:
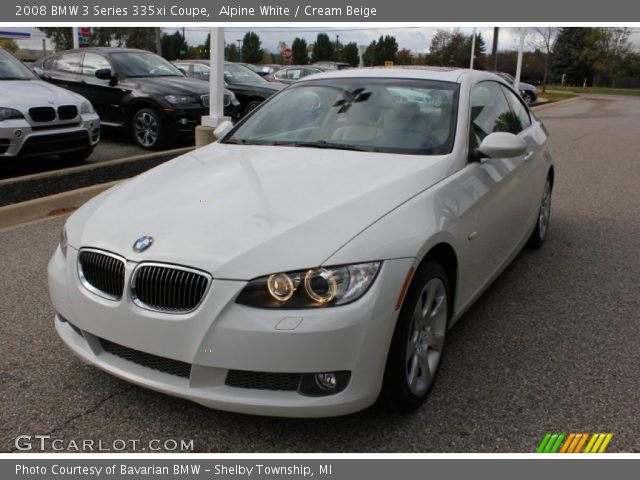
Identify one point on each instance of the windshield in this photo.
(143, 64)
(380, 115)
(12, 69)
(234, 73)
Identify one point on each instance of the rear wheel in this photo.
(528, 98)
(148, 129)
(418, 340)
(542, 222)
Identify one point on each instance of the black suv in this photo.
(249, 88)
(135, 89)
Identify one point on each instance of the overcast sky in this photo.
(416, 39)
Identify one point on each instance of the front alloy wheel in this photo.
(418, 340)
(542, 221)
(147, 128)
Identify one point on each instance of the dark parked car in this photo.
(264, 70)
(294, 73)
(134, 89)
(528, 92)
(249, 87)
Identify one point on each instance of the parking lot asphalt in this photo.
(553, 345)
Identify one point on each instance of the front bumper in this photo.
(185, 120)
(221, 336)
(19, 138)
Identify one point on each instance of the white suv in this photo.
(37, 118)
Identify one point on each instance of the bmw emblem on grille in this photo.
(141, 244)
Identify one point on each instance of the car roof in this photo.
(103, 50)
(444, 74)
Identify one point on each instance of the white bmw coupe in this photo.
(314, 258)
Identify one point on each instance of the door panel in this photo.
(498, 182)
(107, 99)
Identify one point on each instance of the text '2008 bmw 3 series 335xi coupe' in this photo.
(313, 260)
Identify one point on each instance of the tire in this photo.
(528, 98)
(251, 106)
(542, 222)
(77, 156)
(148, 129)
(418, 340)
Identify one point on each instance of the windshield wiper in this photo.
(242, 141)
(325, 144)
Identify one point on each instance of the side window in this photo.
(281, 75)
(200, 72)
(93, 62)
(294, 74)
(490, 113)
(69, 63)
(519, 110)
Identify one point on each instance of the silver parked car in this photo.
(38, 119)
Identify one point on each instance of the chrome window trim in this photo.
(85, 283)
(141, 304)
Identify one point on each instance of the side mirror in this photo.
(183, 70)
(502, 145)
(103, 73)
(222, 129)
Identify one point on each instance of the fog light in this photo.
(326, 381)
(17, 133)
(183, 121)
(324, 384)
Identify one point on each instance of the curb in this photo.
(39, 208)
(545, 106)
(93, 166)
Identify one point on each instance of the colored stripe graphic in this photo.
(554, 442)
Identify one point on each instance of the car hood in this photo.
(34, 93)
(527, 87)
(171, 85)
(240, 212)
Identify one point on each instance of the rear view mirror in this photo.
(222, 129)
(502, 145)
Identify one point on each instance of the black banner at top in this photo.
(94, 12)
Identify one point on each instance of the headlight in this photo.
(180, 99)
(318, 287)
(64, 242)
(86, 108)
(9, 114)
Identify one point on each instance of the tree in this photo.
(383, 50)
(404, 57)
(322, 49)
(173, 46)
(251, 51)
(267, 58)
(140, 37)
(387, 49)
(299, 54)
(351, 54)
(571, 55)
(231, 53)
(453, 49)
(8, 44)
(61, 37)
(369, 55)
(543, 40)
